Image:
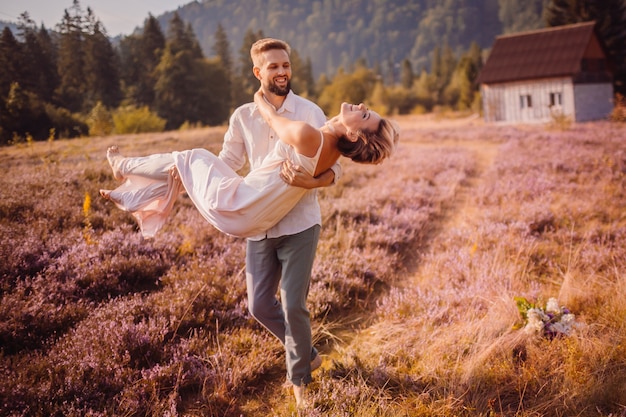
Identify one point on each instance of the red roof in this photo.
(545, 53)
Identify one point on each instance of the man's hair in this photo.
(267, 44)
(371, 147)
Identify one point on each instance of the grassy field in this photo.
(414, 299)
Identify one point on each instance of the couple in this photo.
(291, 149)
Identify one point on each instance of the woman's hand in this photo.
(266, 109)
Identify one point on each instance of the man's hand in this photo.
(294, 175)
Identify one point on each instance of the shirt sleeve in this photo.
(233, 151)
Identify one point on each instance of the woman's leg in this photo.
(156, 166)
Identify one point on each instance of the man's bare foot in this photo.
(115, 157)
(315, 364)
(299, 393)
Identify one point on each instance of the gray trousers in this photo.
(287, 262)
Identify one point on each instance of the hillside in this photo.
(413, 294)
(334, 33)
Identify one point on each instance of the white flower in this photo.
(535, 320)
(552, 306)
(537, 314)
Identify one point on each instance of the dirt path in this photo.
(460, 213)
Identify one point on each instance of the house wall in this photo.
(580, 102)
(509, 102)
(593, 101)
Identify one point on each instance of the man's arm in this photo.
(234, 149)
(293, 175)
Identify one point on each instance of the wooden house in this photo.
(537, 75)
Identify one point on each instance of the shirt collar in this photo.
(289, 105)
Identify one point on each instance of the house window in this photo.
(525, 101)
(555, 99)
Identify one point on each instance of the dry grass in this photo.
(412, 296)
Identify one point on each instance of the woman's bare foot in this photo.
(106, 194)
(115, 157)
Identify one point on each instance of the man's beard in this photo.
(273, 88)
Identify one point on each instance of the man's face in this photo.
(274, 72)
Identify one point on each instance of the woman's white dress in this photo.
(236, 205)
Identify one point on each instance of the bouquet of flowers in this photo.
(551, 320)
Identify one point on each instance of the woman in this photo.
(246, 206)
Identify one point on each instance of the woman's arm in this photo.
(303, 137)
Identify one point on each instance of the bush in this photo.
(100, 121)
(65, 123)
(137, 120)
(619, 111)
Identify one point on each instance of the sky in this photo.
(119, 17)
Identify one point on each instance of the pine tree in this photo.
(245, 83)
(181, 38)
(189, 88)
(139, 55)
(406, 75)
(47, 61)
(173, 87)
(101, 69)
(610, 18)
(221, 48)
(11, 59)
(71, 60)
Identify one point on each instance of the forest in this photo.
(191, 67)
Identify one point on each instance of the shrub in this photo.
(618, 114)
(100, 121)
(137, 120)
(66, 124)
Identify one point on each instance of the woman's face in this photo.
(358, 117)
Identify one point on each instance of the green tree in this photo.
(180, 37)
(189, 88)
(444, 64)
(101, 69)
(221, 48)
(302, 81)
(353, 88)
(379, 99)
(11, 61)
(100, 121)
(245, 83)
(406, 75)
(610, 18)
(139, 55)
(71, 59)
(25, 115)
(462, 88)
(45, 52)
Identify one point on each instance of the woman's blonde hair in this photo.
(371, 147)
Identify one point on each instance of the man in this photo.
(282, 256)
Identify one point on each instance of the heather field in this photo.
(479, 272)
